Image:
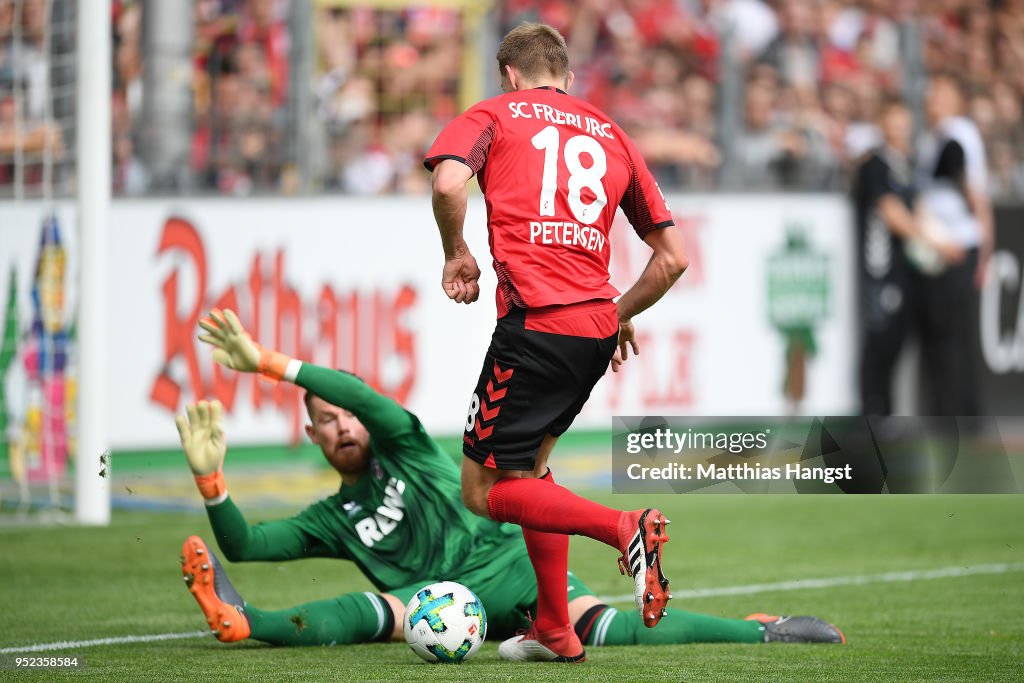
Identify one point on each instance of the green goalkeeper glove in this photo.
(235, 349)
(202, 439)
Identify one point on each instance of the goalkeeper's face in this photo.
(340, 435)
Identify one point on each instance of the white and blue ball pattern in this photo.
(445, 622)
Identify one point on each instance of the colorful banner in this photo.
(37, 349)
(1001, 318)
(761, 324)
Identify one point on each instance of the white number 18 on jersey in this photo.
(580, 176)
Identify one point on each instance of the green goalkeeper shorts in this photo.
(507, 595)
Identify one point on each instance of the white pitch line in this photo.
(748, 589)
(76, 644)
(830, 582)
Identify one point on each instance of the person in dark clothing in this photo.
(952, 173)
(885, 196)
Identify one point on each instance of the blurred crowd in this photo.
(388, 81)
(33, 91)
(808, 78)
(813, 75)
(240, 93)
(382, 83)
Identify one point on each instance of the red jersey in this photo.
(553, 170)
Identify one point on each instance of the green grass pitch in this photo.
(68, 584)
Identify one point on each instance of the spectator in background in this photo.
(18, 133)
(794, 54)
(241, 84)
(1006, 173)
(237, 146)
(128, 174)
(1005, 177)
(952, 173)
(755, 24)
(884, 197)
(392, 165)
(391, 79)
(26, 57)
(838, 109)
(27, 132)
(673, 126)
(128, 58)
(773, 152)
(1006, 137)
(262, 27)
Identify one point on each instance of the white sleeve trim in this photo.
(291, 371)
(210, 502)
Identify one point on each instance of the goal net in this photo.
(37, 347)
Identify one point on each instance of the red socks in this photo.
(547, 512)
(546, 506)
(549, 554)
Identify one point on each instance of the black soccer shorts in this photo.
(535, 383)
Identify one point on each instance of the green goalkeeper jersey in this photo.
(403, 521)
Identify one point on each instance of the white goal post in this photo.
(92, 491)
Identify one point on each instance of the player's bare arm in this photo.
(461, 274)
(666, 265)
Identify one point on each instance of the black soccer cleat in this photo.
(798, 630)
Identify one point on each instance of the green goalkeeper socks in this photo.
(351, 618)
(603, 625)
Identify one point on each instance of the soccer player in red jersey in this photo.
(553, 170)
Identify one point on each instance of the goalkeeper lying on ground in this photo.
(399, 516)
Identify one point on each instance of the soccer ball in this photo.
(445, 622)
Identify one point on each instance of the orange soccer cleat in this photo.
(207, 582)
